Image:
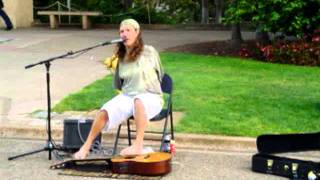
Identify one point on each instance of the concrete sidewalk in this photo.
(187, 164)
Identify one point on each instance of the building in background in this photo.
(20, 12)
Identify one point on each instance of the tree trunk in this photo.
(236, 37)
(127, 3)
(205, 12)
(218, 15)
(158, 2)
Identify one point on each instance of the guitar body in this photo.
(152, 164)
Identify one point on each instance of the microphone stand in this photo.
(50, 146)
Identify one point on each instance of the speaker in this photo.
(75, 133)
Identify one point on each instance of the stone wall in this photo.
(19, 11)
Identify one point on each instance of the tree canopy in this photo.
(290, 17)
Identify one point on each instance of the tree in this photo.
(236, 37)
(204, 12)
(289, 17)
(127, 3)
(235, 21)
(218, 11)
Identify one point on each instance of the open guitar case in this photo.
(265, 161)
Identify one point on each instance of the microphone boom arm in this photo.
(70, 53)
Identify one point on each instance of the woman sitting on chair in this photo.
(138, 76)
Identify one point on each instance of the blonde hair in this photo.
(137, 47)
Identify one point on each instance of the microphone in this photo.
(112, 41)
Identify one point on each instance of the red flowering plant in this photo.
(243, 52)
(305, 51)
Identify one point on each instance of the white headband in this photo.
(132, 23)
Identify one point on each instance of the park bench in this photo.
(53, 16)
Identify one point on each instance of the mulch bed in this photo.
(221, 48)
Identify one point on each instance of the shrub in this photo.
(305, 51)
(301, 52)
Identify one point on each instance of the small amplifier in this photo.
(75, 133)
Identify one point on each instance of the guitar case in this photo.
(285, 167)
(270, 143)
(266, 162)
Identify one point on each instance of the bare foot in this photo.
(82, 153)
(132, 150)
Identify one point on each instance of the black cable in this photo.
(96, 147)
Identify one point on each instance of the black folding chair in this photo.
(165, 114)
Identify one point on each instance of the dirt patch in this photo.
(221, 48)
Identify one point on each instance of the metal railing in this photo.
(59, 7)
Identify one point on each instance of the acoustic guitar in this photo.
(152, 164)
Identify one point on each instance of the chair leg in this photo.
(129, 132)
(164, 133)
(116, 141)
(171, 124)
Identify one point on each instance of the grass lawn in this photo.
(229, 96)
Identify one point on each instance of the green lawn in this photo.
(229, 96)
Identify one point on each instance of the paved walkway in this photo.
(187, 164)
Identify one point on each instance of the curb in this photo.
(184, 141)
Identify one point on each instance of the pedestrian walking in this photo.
(5, 17)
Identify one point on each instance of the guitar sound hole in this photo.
(129, 157)
(147, 156)
(132, 157)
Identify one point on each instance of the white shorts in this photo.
(121, 107)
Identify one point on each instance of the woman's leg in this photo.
(97, 126)
(141, 124)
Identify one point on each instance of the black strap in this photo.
(158, 75)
